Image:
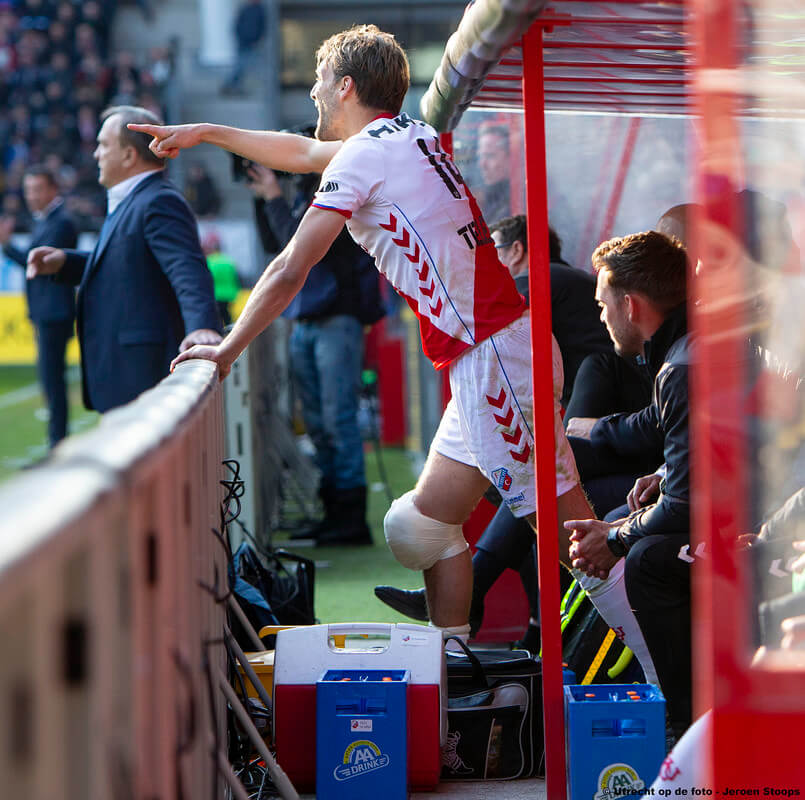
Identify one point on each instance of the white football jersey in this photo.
(407, 205)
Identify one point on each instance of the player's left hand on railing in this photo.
(213, 353)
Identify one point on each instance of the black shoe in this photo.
(409, 602)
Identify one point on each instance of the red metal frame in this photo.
(544, 448)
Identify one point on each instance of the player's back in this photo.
(409, 207)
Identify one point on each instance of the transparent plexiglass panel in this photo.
(769, 247)
(608, 175)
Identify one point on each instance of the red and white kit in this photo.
(407, 205)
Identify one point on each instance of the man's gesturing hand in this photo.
(588, 547)
(644, 491)
(169, 139)
(44, 261)
(209, 352)
(581, 427)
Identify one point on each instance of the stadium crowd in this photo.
(57, 72)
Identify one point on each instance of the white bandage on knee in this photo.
(610, 600)
(417, 541)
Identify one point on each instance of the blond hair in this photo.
(374, 60)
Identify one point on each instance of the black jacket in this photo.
(333, 285)
(48, 300)
(661, 429)
(575, 319)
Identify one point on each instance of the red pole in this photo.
(542, 377)
(620, 180)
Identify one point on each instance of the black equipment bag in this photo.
(275, 589)
(588, 646)
(494, 715)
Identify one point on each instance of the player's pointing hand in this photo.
(169, 139)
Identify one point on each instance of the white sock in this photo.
(459, 631)
(609, 598)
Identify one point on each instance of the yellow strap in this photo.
(599, 657)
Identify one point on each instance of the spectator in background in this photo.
(12, 209)
(51, 306)
(250, 28)
(494, 163)
(224, 275)
(201, 192)
(144, 292)
(326, 349)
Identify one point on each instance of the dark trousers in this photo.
(52, 338)
(506, 543)
(658, 588)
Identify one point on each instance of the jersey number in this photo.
(443, 165)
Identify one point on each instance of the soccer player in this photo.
(404, 201)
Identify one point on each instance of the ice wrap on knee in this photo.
(417, 541)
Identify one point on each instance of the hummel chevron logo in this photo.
(391, 225)
(437, 309)
(330, 186)
(523, 455)
(429, 291)
(682, 555)
(507, 420)
(413, 257)
(404, 240)
(423, 273)
(513, 438)
(497, 403)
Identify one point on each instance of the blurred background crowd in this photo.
(57, 72)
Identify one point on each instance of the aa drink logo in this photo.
(618, 780)
(359, 758)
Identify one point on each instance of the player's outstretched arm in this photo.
(278, 285)
(283, 151)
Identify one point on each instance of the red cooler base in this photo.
(295, 735)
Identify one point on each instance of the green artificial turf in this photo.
(346, 576)
(23, 433)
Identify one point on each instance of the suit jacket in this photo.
(140, 291)
(48, 300)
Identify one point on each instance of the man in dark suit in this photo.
(144, 292)
(51, 306)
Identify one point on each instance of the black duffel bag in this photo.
(494, 715)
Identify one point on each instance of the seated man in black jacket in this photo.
(641, 290)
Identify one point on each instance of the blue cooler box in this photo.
(361, 735)
(615, 737)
